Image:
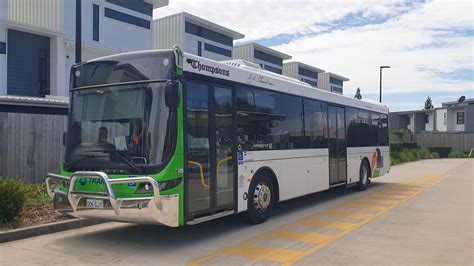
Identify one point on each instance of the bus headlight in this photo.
(164, 185)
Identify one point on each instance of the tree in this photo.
(428, 103)
(358, 95)
(402, 132)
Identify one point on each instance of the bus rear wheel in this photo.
(363, 176)
(261, 198)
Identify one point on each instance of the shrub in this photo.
(401, 132)
(443, 152)
(458, 154)
(12, 199)
(403, 145)
(434, 155)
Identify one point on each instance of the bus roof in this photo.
(246, 74)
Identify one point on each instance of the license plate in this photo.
(94, 203)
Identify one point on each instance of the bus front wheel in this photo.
(261, 198)
(363, 176)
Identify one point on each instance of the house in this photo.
(331, 82)
(303, 72)
(195, 35)
(267, 58)
(37, 41)
(450, 117)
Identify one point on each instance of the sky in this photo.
(429, 45)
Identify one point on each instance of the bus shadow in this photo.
(155, 238)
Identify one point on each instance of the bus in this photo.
(166, 137)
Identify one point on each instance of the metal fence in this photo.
(458, 141)
(31, 145)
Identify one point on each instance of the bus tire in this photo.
(261, 199)
(364, 174)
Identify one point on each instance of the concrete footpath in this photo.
(420, 213)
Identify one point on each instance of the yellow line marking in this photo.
(310, 237)
(315, 222)
(264, 253)
(388, 202)
(345, 214)
(287, 256)
(380, 195)
(398, 192)
(364, 207)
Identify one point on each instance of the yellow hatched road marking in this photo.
(364, 207)
(287, 256)
(264, 253)
(398, 191)
(310, 237)
(380, 195)
(389, 202)
(315, 222)
(345, 214)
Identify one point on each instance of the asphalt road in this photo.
(419, 213)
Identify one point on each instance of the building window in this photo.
(95, 23)
(217, 50)
(310, 82)
(427, 119)
(120, 16)
(460, 118)
(272, 69)
(307, 73)
(444, 118)
(267, 57)
(199, 48)
(207, 34)
(335, 81)
(3, 48)
(336, 89)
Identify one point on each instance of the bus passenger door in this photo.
(337, 145)
(210, 134)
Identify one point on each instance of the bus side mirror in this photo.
(64, 139)
(172, 94)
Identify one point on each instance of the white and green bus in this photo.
(166, 137)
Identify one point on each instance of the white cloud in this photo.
(419, 41)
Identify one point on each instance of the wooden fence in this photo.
(31, 145)
(458, 141)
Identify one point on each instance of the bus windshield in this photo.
(121, 128)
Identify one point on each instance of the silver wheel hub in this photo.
(262, 197)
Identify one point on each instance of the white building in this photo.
(195, 35)
(331, 82)
(37, 39)
(303, 72)
(450, 117)
(267, 58)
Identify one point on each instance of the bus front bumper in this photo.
(144, 210)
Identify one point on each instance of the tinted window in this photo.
(292, 111)
(358, 128)
(365, 128)
(259, 119)
(315, 119)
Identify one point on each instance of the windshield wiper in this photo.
(122, 157)
(80, 159)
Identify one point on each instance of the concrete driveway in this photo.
(420, 213)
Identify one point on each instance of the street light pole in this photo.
(380, 96)
(78, 31)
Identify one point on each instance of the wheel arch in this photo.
(266, 169)
(366, 161)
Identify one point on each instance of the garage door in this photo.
(28, 64)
